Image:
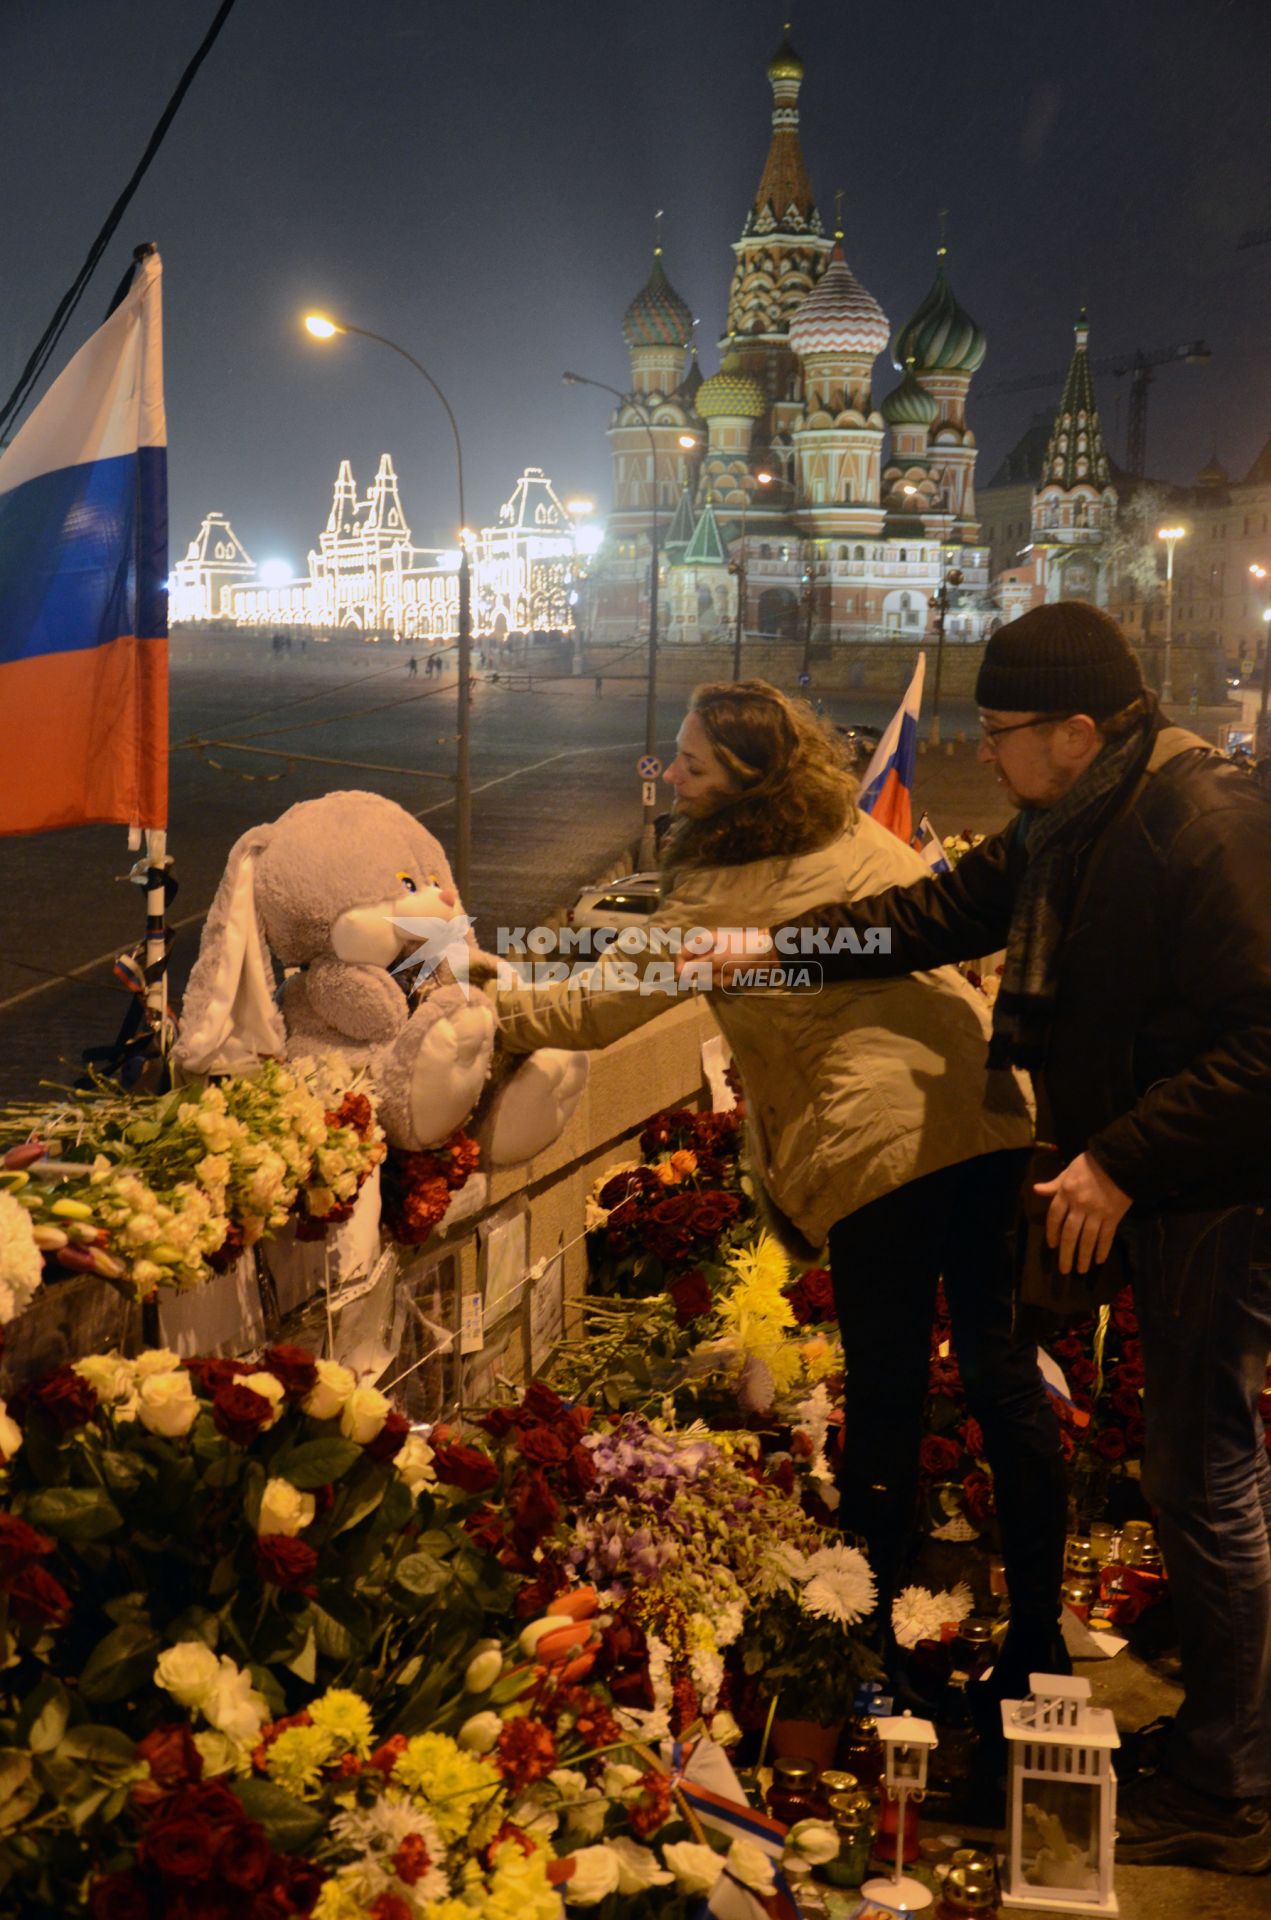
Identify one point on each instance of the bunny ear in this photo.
(230, 1017)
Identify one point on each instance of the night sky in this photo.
(478, 181)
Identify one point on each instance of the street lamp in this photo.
(1260, 739)
(324, 328)
(648, 834)
(1171, 536)
(949, 577)
(738, 567)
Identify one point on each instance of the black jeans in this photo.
(1202, 1288)
(885, 1260)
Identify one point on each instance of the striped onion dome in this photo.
(657, 317)
(732, 392)
(909, 404)
(839, 316)
(942, 337)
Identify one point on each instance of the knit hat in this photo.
(1068, 657)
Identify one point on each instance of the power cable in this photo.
(35, 366)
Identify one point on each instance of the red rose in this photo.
(534, 1507)
(387, 1443)
(580, 1470)
(625, 1187)
(542, 1446)
(1135, 1432)
(20, 1544)
(173, 1759)
(118, 1896)
(541, 1402)
(244, 1856)
(285, 1562)
(938, 1454)
(973, 1437)
(1081, 1373)
(485, 1528)
(633, 1688)
(498, 1423)
(811, 1296)
(63, 1398)
(977, 1498)
(1131, 1350)
(463, 1467)
(213, 1373)
(1110, 1442)
(295, 1367)
(1066, 1349)
(389, 1906)
(35, 1598)
(1127, 1402)
(177, 1847)
(299, 1879)
(1130, 1373)
(690, 1296)
(573, 1424)
(240, 1413)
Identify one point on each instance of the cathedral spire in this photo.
(1076, 453)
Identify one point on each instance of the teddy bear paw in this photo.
(531, 1108)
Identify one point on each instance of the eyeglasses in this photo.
(992, 734)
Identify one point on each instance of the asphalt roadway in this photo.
(556, 800)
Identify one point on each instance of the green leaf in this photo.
(316, 1463)
(289, 1824)
(341, 1624)
(123, 1472)
(73, 1513)
(15, 1781)
(106, 1747)
(305, 1663)
(120, 1663)
(421, 1576)
(45, 1714)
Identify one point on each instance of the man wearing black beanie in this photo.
(1133, 897)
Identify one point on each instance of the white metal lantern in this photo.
(1061, 1799)
(907, 1744)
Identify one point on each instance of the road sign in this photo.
(805, 679)
(648, 766)
(649, 793)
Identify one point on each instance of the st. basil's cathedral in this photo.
(848, 512)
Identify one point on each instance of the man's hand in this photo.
(1086, 1207)
(733, 949)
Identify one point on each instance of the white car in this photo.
(626, 902)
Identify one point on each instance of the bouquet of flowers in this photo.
(417, 1187)
(653, 1221)
(1102, 1359)
(162, 1191)
(954, 1474)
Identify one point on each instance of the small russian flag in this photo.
(928, 843)
(887, 789)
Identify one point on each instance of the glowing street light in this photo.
(1260, 739)
(579, 506)
(738, 567)
(1171, 536)
(322, 327)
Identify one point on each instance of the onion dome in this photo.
(839, 316)
(731, 392)
(657, 317)
(942, 337)
(785, 63)
(909, 404)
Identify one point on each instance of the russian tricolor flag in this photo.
(887, 789)
(83, 595)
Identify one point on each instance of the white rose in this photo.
(638, 1868)
(270, 1388)
(167, 1405)
(188, 1672)
(10, 1434)
(221, 1754)
(480, 1733)
(619, 1778)
(156, 1360)
(330, 1390)
(696, 1868)
(414, 1463)
(723, 1729)
(584, 1807)
(363, 1415)
(814, 1841)
(483, 1669)
(284, 1509)
(233, 1705)
(107, 1374)
(594, 1878)
(750, 1864)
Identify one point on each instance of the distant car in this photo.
(627, 902)
(861, 743)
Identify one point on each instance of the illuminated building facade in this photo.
(367, 574)
(868, 503)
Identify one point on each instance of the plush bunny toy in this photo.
(344, 889)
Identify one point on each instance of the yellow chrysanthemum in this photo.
(346, 1717)
(764, 1260)
(449, 1910)
(340, 1899)
(297, 1757)
(462, 1791)
(519, 1887)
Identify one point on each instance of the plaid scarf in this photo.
(1056, 844)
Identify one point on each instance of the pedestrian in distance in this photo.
(1132, 894)
(413, 667)
(600, 685)
(868, 1129)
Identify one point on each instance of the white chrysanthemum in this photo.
(21, 1262)
(812, 1416)
(376, 1832)
(780, 1567)
(918, 1614)
(841, 1586)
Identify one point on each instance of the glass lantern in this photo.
(907, 1744)
(1061, 1799)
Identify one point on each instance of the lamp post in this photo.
(1171, 536)
(1261, 742)
(324, 328)
(648, 835)
(949, 577)
(738, 567)
(809, 608)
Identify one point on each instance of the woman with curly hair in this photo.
(868, 1128)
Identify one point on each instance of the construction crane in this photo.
(1140, 366)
